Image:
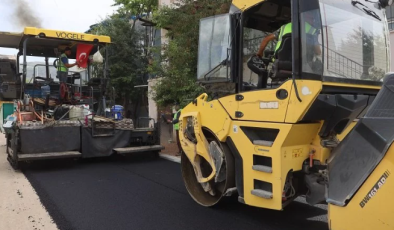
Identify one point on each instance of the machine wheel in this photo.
(196, 190)
(11, 159)
(14, 164)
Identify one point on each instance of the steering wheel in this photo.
(256, 64)
(55, 62)
(40, 78)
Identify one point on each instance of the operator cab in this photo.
(275, 66)
(321, 45)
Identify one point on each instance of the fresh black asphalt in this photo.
(142, 192)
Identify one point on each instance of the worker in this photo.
(287, 29)
(175, 122)
(63, 65)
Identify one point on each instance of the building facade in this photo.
(390, 16)
(390, 20)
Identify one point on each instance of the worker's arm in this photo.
(70, 65)
(317, 50)
(176, 120)
(65, 62)
(264, 44)
(317, 46)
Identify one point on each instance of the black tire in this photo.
(14, 163)
(12, 158)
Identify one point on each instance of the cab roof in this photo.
(44, 43)
(264, 15)
(246, 4)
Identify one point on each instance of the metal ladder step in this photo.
(262, 168)
(138, 149)
(262, 193)
(263, 143)
(53, 155)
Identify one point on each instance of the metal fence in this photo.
(340, 65)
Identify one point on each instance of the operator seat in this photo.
(282, 66)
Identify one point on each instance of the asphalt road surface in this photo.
(147, 193)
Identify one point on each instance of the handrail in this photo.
(344, 66)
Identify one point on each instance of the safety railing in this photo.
(341, 65)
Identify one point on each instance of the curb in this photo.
(170, 158)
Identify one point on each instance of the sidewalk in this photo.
(170, 148)
(169, 153)
(20, 207)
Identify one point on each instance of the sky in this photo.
(66, 15)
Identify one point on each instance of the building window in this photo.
(390, 17)
(391, 12)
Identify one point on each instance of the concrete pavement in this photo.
(20, 207)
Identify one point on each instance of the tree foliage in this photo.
(136, 7)
(177, 65)
(127, 65)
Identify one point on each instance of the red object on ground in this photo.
(83, 52)
(63, 90)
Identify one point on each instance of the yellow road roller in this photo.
(298, 102)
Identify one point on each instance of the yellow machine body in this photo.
(372, 207)
(273, 144)
(66, 35)
(42, 42)
(291, 147)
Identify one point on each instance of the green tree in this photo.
(177, 65)
(126, 62)
(136, 8)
